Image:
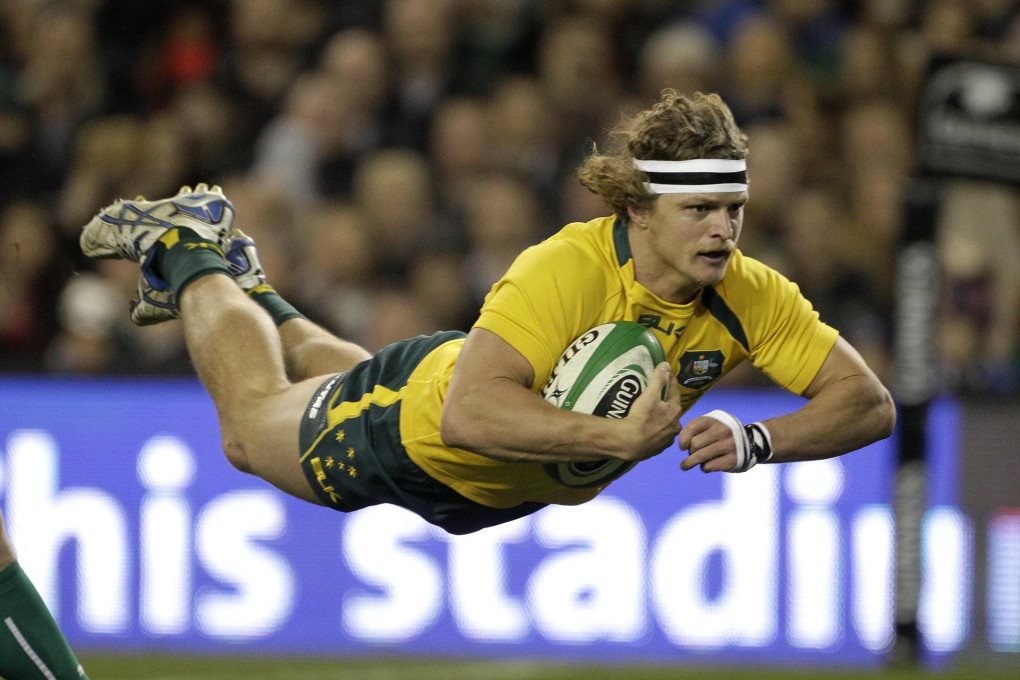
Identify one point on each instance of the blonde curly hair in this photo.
(676, 128)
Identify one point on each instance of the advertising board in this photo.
(140, 535)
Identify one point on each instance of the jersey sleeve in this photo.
(546, 299)
(788, 340)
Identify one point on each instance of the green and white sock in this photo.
(31, 644)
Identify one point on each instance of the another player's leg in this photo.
(31, 643)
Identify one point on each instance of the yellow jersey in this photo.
(582, 277)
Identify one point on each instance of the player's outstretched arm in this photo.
(490, 410)
(847, 408)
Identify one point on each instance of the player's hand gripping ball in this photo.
(601, 373)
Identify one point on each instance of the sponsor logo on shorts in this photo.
(320, 396)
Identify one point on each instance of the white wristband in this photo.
(753, 442)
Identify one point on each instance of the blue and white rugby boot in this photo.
(154, 305)
(244, 263)
(129, 229)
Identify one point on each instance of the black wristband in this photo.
(760, 442)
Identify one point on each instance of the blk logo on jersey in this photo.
(655, 322)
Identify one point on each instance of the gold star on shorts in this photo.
(350, 452)
(329, 461)
(340, 435)
(352, 471)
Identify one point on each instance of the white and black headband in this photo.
(697, 176)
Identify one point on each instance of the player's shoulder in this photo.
(745, 273)
(593, 233)
(751, 288)
(580, 241)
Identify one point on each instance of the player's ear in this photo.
(638, 216)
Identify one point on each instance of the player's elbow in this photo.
(883, 412)
(465, 423)
(457, 428)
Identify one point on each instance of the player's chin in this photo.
(711, 272)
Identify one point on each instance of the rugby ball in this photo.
(601, 373)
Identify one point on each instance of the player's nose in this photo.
(721, 225)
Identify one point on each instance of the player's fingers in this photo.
(707, 458)
(708, 455)
(692, 430)
(674, 390)
(702, 450)
(719, 464)
(705, 443)
(658, 382)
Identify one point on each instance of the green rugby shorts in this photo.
(360, 461)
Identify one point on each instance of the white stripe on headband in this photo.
(694, 165)
(694, 188)
(696, 176)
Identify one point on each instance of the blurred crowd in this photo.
(391, 157)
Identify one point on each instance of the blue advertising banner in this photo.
(140, 535)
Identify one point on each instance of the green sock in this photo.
(181, 256)
(272, 302)
(31, 644)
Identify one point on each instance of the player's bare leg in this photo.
(233, 343)
(238, 355)
(309, 350)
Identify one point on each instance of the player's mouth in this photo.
(720, 256)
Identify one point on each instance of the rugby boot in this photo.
(129, 229)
